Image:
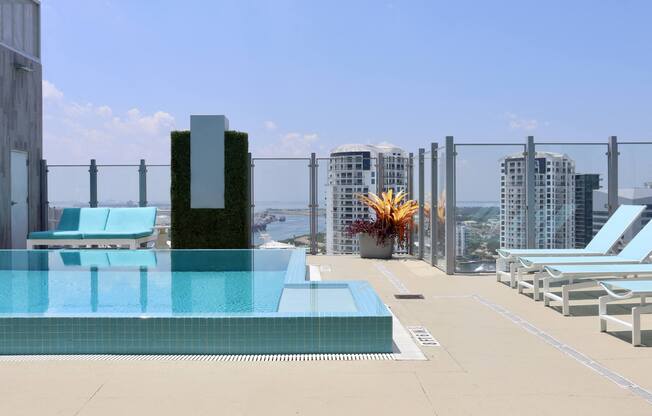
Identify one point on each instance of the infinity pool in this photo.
(182, 302)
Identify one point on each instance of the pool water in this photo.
(181, 302)
(127, 292)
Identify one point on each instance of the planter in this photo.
(369, 249)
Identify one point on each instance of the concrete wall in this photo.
(21, 128)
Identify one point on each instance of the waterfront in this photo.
(295, 225)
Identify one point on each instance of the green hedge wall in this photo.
(211, 228)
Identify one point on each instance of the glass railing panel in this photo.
(281, 203)
(427, 197)
(440, 237)
(117, 186)
(490, 204)
(571, 193)
(68, 186)
(158, 186)
(634, 179)
(322, 202)
(158, 195)
(400, 174)
(345, 177)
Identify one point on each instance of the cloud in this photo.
(518, 123)
(50, 92)
(291, 144)
(270, 125)
(75, 132)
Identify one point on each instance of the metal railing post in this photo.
(93, 184)
(142, 184)
(422, 222)
(251, 200)
(612, 174)
(45, 204)
(410, 192)
(530, 192)
(313, 203)
(450, 205)
(434, 202)
(380, 174)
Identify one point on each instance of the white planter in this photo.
(369, 249)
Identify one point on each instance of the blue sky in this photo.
(303, 76)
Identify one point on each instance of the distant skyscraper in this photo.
(628, 196)
(460, 240)
(352, 171)
(585, 184)
(554, 201)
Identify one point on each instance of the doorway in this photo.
(19, 194)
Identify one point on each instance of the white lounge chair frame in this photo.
(637, 311)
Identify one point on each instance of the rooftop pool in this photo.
(182, 302)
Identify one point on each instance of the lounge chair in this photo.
(585, 276)
(637, 251)
(602, 243)
(81, 227)
(640, 289)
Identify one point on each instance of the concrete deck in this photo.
(493, 361)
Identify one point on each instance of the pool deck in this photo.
(493, 360)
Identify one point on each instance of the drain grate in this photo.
(409, 296)
(238, 358)
(423, 336)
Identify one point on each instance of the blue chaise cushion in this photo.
(126, 223)
(55, 235)
(83, 219)
(118, 234)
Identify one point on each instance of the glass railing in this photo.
(95, 185)
(474, 197)
(569, 192)
(281, 199)
(68, 186)
(118, 186)
(489, 191)
(634, 179)
(439, 201)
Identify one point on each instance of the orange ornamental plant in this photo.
(394, 216)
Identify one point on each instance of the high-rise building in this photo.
(460, 240)
(554, 201)
(585, 184)
(352, 171)
(628, 196)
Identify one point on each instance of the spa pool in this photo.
(182, 302)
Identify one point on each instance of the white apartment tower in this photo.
(352, 171)
(554, 201)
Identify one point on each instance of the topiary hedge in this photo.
(211, 228)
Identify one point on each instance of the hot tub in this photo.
(182, 302)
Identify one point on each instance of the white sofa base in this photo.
(132, 243)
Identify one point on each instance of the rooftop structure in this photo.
(21, 121)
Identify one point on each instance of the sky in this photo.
(307, 76)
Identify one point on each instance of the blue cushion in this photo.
(55, 235)
(131, 220)
(83, 219)
(118, 234)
